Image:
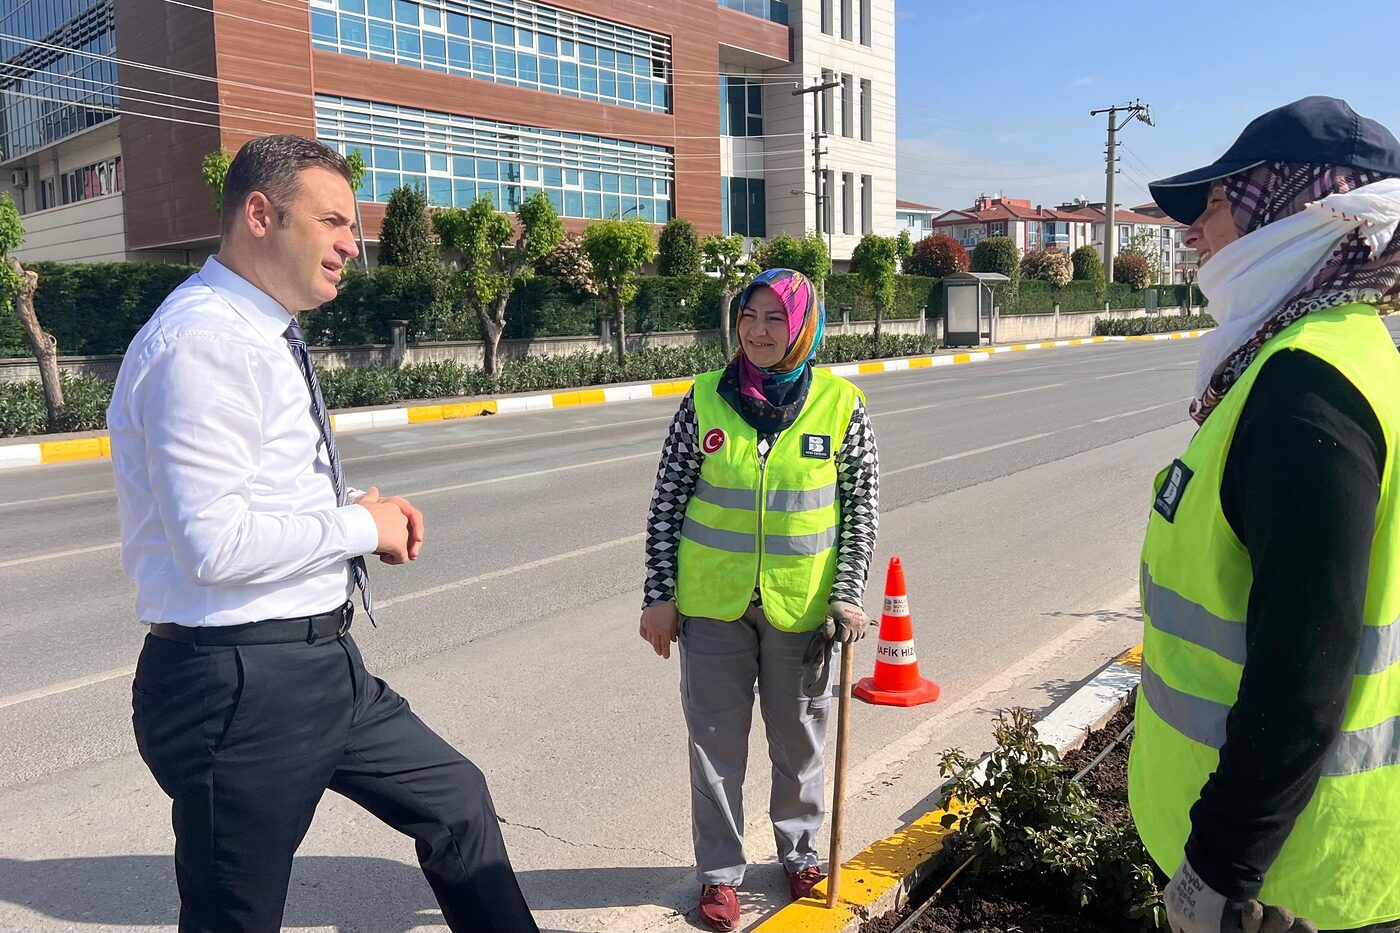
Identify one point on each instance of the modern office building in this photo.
(645, 108)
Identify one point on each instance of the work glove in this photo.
(1195, 907)
(845, 622)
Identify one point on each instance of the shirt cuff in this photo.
(361, 533)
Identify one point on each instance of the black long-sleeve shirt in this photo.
(1300, 490)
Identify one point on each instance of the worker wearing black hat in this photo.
(1265, 774)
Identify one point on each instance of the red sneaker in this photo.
(719, 907)
(800, 883)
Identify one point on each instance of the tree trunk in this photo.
(620, 317)
(360, 233)
(879, 320)
(44, 345)
(492, 326)
(726, 322)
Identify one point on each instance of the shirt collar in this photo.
(254, 305)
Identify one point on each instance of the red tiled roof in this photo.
(913, 206)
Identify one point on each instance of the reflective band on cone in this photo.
(896, 681)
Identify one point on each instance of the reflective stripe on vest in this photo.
(779, 500)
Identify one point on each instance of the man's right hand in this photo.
(392, 525)
(660, 627)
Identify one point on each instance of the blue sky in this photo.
(996, 98)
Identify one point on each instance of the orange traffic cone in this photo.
(896, 681)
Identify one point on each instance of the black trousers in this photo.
(246, 739)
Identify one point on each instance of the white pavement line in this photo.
(19, 561)
(70, 495)
(507, 571)
(869, 771)
(484, 441)
(905, 411)
(65, 687)
(1132, 372)
(20, 455)
(515, 476)
(1140, 411)
(980, 450)
(1053, 385)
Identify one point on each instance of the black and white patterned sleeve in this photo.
(675, 481)
(858, 479)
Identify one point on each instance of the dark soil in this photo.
(989, 904)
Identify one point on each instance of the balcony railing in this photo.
(772, 10)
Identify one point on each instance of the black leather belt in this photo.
(310, 629)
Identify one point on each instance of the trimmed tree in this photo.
(997, 254)
(1047, 265)
(1088, 265)
(678, 252)
(214, 170)
(807, 255)
(406, 236)
(1132, 269)
(17, 286)
(497, 253)
(936, 256)
(618, 249)
(569, 263)
(724, 256)
(876, 260)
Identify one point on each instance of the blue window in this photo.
(612, 205)
(440, 191)
(481, 29)
(384, 157)
(459, 54)
(588, 80)
(487, 169)
(381, 39)
(384, 185)
(434, 49)
(593, 205)
(415, 181)
(573, 204)
(463, 168)
(556, 198)
(323, 26)
(384, 9)
(607, 83)
(549, 72)
(415, 161)
(463, 192)
(432, 17)
(610, 183)
(353, 32)
(568, 75)
(504, 34)
(607, 58)
(505, 65)
(410, 46)
(352, 6)
(457, 25)
(553, 176)
(529, 68)
(588, 54)
(549, 45)
(406, 12)
(481, 60)
(624, 87)
(525, 38)
(592, 181)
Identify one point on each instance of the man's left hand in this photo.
(845, 622)
(1195, 907)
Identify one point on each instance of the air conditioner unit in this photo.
(19, 178)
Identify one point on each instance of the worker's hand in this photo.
(660, 624)
(1195, 907)
(845, 622)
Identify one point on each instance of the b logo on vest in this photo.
(816, 446)
(714, 440)
(1173, 487)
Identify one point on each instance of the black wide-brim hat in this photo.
(1318, 130)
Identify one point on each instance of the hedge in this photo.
(1152, 324)
(85, 399)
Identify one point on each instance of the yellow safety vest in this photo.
(775, 526)
(1340, 866)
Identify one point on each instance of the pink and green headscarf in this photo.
(806, 323)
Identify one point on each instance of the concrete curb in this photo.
(881, 878)
(98, 447)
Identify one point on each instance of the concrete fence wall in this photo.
(1013, 328)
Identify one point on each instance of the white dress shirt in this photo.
(228, 512)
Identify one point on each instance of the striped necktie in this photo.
(297, 341)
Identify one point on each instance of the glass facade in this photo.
(521, 44)
(53, 80)
(741, 106)
(456, 159)
(774, 10)
(743, 206)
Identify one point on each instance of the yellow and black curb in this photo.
(882, 877)
(98, 447)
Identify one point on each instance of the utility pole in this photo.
(1137, 110)
(818, 134)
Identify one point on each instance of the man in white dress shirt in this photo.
(248, 553)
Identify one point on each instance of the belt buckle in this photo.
(347, 612)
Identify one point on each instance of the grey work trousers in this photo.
(720, 663)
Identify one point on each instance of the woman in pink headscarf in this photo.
(759, 542)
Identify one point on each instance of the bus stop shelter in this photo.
(969, 307)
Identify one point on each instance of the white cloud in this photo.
(1082, 81)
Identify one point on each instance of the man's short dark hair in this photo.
(272, 164)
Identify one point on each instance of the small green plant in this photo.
(1155, 324)
(1032, 827)
(214, 170)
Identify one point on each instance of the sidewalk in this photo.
(39, 450)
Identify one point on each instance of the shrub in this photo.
(936, 256)
(569, 263)
(1133, 270)
(678, 251)
(996, 254)
(1152, 324)
(85, 398)
(1088, 265)
(406, 238)
(1047, 265)
(807, 255)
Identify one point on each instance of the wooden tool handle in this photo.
(838, 801)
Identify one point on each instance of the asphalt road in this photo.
(1015, 491)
